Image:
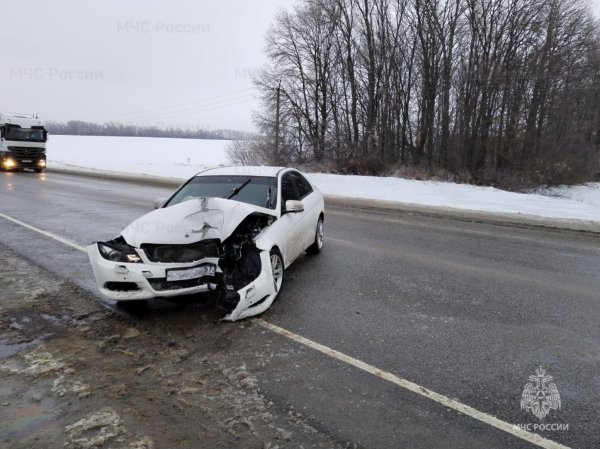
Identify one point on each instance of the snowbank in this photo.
(181, 158)
(581, 203)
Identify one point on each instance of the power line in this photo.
(198, 111)
(166, 107)
(191, 110)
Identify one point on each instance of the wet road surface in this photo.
(466, 310)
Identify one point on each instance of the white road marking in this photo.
(47, 234)
(411, 386)
(408, 385)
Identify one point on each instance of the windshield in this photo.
(260, 191)
(25, 134)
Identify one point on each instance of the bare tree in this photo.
(502, 89)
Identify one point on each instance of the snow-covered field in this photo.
(174, 158)
(181, 158)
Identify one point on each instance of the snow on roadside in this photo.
(581, 203)
(182, 158)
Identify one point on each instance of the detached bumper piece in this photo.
(257, 296)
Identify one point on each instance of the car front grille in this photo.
(181, 253)
(26, 152)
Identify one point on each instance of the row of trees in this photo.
(79, 128)
(492, 88)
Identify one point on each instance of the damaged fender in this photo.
(257, 296)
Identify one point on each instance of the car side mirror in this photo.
(159, 202)
(293, 207)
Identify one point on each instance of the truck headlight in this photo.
(9, 163)
(118, 255)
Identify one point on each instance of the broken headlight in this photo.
(125, 255)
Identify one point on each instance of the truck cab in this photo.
(22, 143)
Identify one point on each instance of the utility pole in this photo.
(276, 154)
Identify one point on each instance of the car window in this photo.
(288, 189)
(260, 191)
(304, 187)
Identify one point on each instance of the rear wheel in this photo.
(277, 269)
(317, 245)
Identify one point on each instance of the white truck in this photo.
(22, 143)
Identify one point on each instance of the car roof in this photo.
(269, 172)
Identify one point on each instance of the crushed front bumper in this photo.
(135, 281)
(138, 281)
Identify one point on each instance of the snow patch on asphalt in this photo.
(40, 362)
(107, 422)
(62, 386)
(99, 427)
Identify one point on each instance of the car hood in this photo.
(190, 222)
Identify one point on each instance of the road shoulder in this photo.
(78, 375)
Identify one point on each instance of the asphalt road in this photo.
(464, 309)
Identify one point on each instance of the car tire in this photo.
(38, 170)
(317, 245)
(277, 266)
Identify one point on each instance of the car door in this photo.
(294, 238)
(308, 222)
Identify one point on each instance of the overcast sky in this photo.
(73, 59)
(132, 60)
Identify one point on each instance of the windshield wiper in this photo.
(237, 190)
(269, 196)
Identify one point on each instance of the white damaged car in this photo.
(229, 230)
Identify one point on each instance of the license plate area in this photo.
(186, 274)
(26, 161)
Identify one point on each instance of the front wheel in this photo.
(277, 269)
(317, 245)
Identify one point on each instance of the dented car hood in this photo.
(190, 222)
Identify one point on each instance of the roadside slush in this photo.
(590, 228)
(75, 374)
